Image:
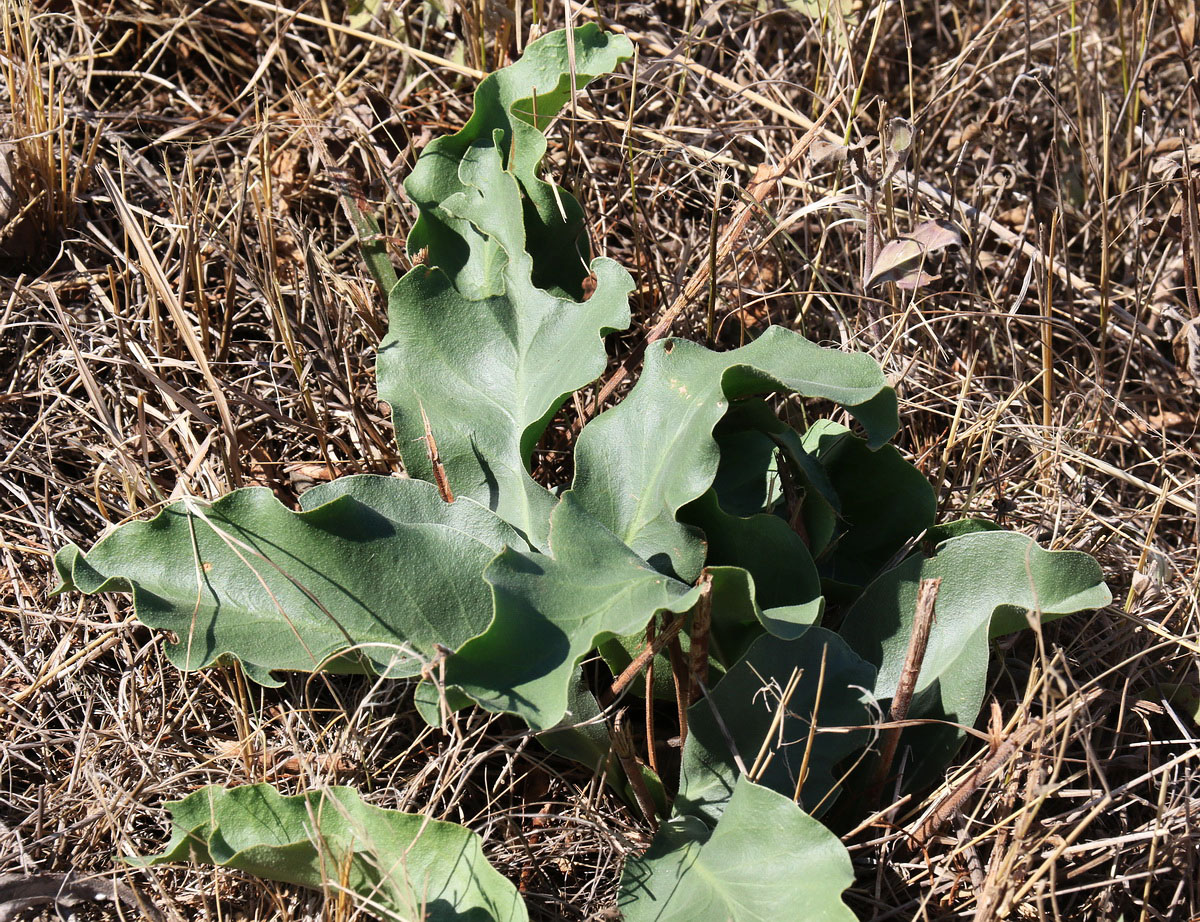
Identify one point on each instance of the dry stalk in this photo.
(653, 647)
(698, 640)
(622, 743)
(759, 189)
(681, 676)
(914, 657)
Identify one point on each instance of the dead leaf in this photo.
(820, 150)
(937, 235)
(899, 260)
(1186, 347)
(963, 136)
(1157, 423)
(915, 279)
(1187, 32)
(305, 474)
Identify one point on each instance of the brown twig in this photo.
(802, 775)
(651, 755)
(679, 672)
(698, 650)
(652, 649)
(913, 658)
(947, 807)
(622, 744)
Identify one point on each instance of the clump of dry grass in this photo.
(193, 318)
(45, 155)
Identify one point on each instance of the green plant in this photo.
(694, 512)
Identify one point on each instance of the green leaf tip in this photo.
(513, 106)
(401, 866)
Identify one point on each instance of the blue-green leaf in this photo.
(638, 464)
(766, 861)
(397, 865)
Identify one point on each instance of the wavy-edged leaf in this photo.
(742, 708)
(990, 580)
(487, 370)
(486, 341)
(401, 866)
(550, 611)
(899, 260)
(883, 502)
(765, 861)
(375, 563)
(513, 106)
(760, 453)
(765, 546)
(637, 464)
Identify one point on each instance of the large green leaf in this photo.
(637, 464)
(486, 372)
(375, 563)
(990, 580)
(401, 866)
(766, 861)
(513, 106)
(741, 710)
(551, 611)
(488, 338)
(758, 451)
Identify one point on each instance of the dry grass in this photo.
(181, 313)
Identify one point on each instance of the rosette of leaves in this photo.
(693, 506)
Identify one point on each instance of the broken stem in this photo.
(917, 644)
(652, 649)
(651, 756)
(679, 672)
(698, 650)
(622, 744)
(765, 752)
